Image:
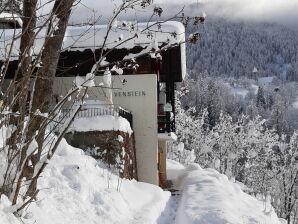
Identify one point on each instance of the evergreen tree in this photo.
(261, 101)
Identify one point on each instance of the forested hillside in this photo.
(243, 126)
(234, 48)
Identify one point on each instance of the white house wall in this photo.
(141, 99)
(138, 95)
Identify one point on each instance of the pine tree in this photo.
(261, 101)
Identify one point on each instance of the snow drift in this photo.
(76, 189)
(6, 217)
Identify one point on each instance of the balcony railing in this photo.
(100, 110)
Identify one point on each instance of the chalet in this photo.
(143, 95)
(267, 81)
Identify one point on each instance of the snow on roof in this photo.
(255, 70)
(266, 80)
(83, 37)
(92, 37)
(5, 16)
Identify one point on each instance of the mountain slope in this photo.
(234, 48)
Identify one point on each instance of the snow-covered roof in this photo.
(83, 37)
(92, 37)
(265, 80)
(5, 16)
(255, 70)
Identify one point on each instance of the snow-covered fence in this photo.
(100, 110)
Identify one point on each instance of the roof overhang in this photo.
(80, 38)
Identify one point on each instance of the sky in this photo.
(280, 11)
(276, 11)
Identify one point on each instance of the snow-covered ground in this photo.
(75, 188)
(5, 216)
(208, 197)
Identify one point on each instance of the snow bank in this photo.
(77, 189)
(208, 197)
(174, 170)
(6, 217)
(101, 123)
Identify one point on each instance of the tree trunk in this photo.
(43, 88)
(21, 87)
(27, 40)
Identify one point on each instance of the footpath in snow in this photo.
(208, 197)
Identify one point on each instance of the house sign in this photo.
(130, 93)
(168, 107)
